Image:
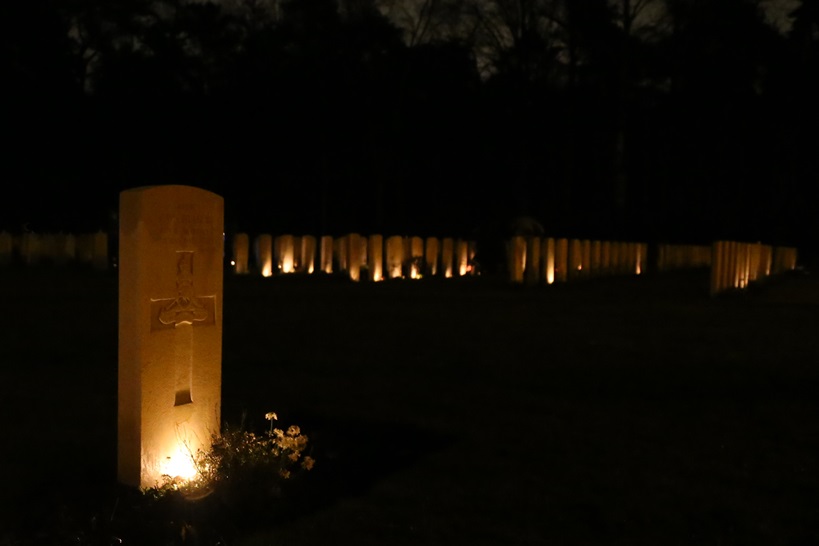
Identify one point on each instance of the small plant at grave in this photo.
(240, 478)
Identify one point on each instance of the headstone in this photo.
(340, 253)
(516, 258)
(766, 260)
(431, 252)
(375, 258)
(548, 259)
(595, 258)
(575, 258)
(462, 256)
(472, 257)
(296, 253)
(241, 253)
(532, 264)
(170, 329)
(284, 248)
(326, 254)
(561, 260)
(363, 246)
(605, 258)
(264, 254)
(353, 252)
(416, 257)
(307, 258)
(395, 256)
(616, 264)
(448, 257)
(585, 257)
(642, 255)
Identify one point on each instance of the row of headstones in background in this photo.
(735, 265)
(54, 248)
(545, 260)
(372, 257)
(676, 256)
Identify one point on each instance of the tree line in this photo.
(641, 119)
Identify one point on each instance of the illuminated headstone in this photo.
(642, 259)
(296, 253)
(448, 257)
(353, 253)
(375, 258)
(326, 254)
(264, 254)
(284, 249)
(471, 257)
(616, 264)
(340, 253)
(241, 253)
(547, 258)
(595, 257)
(170, 330)
(307, 256)
(462, 257)
(532, 263)
(605, 258)
(561, 260)
(585, 258)
(575, 258)
(395, 256)
(431, 253)
(766, 260)
(416, 257)
(363, 250)
(516, 258)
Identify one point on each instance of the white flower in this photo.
(271, 416)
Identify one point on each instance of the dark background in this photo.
(315, 119)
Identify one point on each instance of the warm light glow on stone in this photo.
(286, 250)
(462, 256)
(549, 259)
(170, 328)
(395, 256)
(375, 257)
(326, 254)
(179, 465)
(264, 254)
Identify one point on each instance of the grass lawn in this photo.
(634, 410)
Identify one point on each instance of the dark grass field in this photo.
(633, 411)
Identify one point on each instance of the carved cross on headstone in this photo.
(181, 314)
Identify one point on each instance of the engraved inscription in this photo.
(187, 225)
(185, 308)
(181, 314)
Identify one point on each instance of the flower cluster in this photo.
(239, 458)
